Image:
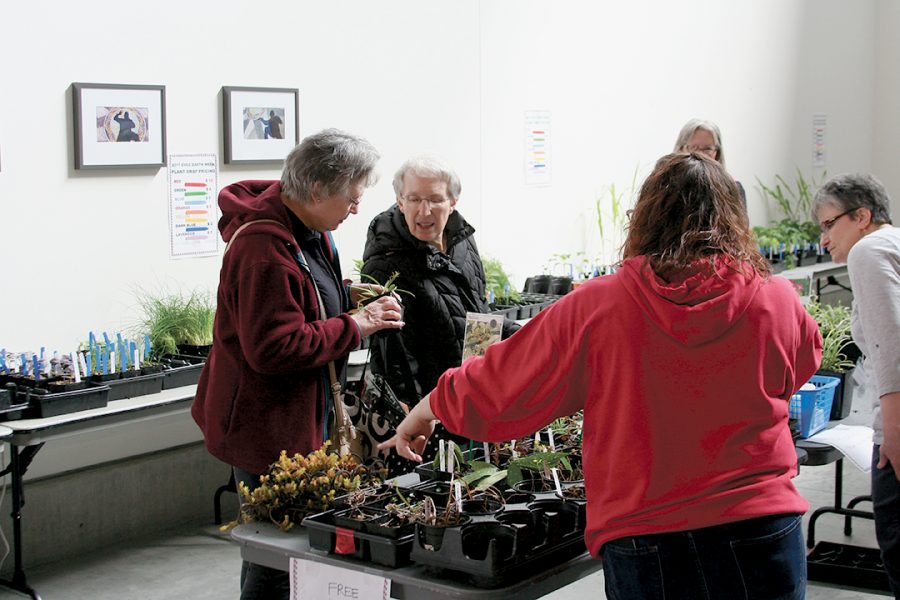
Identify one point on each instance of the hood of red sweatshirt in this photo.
(251, 201)
(698, 304)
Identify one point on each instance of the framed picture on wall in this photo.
(261, 124)
(119, 125)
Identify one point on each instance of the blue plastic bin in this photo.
(812, 408)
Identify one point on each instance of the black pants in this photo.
(259, 582)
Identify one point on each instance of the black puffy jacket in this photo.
(443, 286)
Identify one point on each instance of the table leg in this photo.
(17, 467)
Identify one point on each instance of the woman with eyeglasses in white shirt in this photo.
(853, 212)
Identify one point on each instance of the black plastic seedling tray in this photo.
(325, 535)
(139, 385)
(181, 376)
(45, 404)
(495, 550)
(848, 565)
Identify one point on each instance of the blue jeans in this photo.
(886, 506)
(257, 581)
(757, 559)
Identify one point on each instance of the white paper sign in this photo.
(316, 581)
(193, 211)
(537, 147)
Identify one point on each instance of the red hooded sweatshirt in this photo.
(262, 388)
(685, 387)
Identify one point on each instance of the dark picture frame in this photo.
(260, 125)
(119, 125)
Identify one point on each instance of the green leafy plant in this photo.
(834, 325)
(794, 201)
(497, 281)
(173, 319)
(537, 462)
(612, 221)
(390, 288)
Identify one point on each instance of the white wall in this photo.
(452, 77)
(620, 79)
(404, 75)
(887, 100)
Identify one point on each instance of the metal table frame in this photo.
(26, 437)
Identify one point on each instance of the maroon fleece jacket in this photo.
(262, 388)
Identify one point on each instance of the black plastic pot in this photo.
(480, 540)
(539, 284)
(431, 537)
(843, 393)
(481, 506)
(560, 285)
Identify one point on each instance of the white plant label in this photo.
(442, 455)
(556, 480)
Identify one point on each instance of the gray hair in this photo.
(428, 166)
(332, 157)
(693, 125)
(850, 191)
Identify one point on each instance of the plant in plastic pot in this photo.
(177, 323)
(837, 345)
(299, 485)
(436, 520)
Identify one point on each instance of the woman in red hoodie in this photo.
(684, 362)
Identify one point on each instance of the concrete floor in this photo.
(201, 563)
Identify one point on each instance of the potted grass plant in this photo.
(838, 352)
(177, 323)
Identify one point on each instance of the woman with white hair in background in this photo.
(704, 137)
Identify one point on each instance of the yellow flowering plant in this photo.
(300, 485)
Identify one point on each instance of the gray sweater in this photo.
(874, 268)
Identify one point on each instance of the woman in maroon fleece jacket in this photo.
(262, 389)
(684, 362)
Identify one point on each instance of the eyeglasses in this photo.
(433, 201)
(704, 149)
(826, 225)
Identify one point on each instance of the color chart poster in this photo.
(537, 147)
(193, 213)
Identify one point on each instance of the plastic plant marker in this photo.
(146, 347)
(457, 489)
(556, 481)
(487, 453)
(451, 456)
(135, 359)
(537, 438)
(36, 367)
(442, 456)
(112, 361)
(74, 357)
(515, 454)
(550, 437)
(123, 360)
(3, 361)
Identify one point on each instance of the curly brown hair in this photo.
(689, 208)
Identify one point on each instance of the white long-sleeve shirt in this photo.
(874, 268)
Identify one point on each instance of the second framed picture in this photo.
(261, 124)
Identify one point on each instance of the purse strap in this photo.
(342, 420)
